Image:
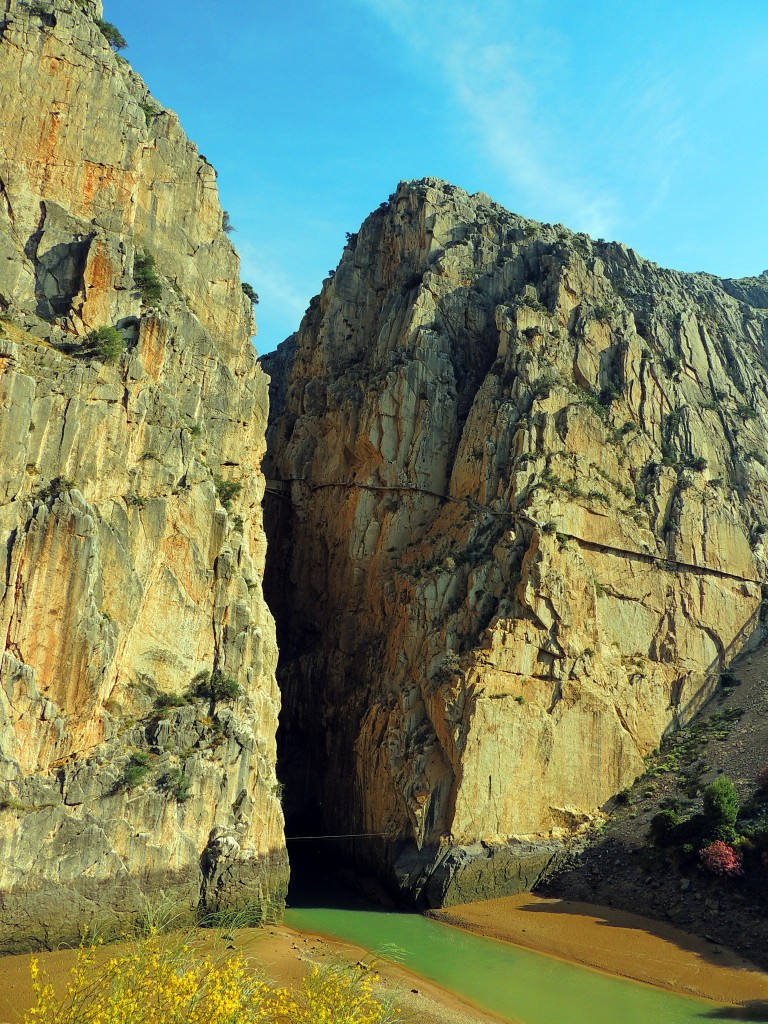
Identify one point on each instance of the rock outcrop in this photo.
(138, 702)
(516, 534)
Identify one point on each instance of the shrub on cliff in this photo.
(135, 771)
(146, 279)
(112, 34)
(226, 490)
(166, 701)
(216, 686)
(105, 343)
(176, 784)
(250, 293)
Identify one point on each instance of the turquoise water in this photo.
(516, 984)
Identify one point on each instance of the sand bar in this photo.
(618, 943)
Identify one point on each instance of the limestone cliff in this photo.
(138, 702)
(516, 532)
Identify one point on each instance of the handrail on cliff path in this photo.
(275, 487)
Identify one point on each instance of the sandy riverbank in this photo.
(618, 943)
(613, 941)
(280, 954)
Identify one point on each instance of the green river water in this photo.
(516, 984)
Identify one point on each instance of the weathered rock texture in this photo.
(130, 510)
(525, 499)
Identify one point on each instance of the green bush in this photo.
(747, 412)
(672, 365)
(112, 34)
(146, 279)
(721, 803)
(176, 784)
(169, 700)
(135, 771)
(149, 112)
(250, 293)
(216, 686)
(105, 343)
(725, 834)
(604, 311)
(226, 490)
(663, 827)
(691, 832)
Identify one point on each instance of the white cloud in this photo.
(491, 65)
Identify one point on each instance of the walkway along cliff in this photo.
(138, 702)
(516, 526)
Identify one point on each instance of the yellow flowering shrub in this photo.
(158, 982)
(332, 995)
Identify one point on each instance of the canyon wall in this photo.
(138, 702)
(516, 533)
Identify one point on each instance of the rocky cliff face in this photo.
(130, 514)
(523, 500)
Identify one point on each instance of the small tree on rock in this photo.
(146, 279)
(105, 343)
(112, 34)
(250, 293)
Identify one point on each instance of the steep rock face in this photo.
(521, 490)
(130, 492)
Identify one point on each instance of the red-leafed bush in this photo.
(720, 859)
(762, 780)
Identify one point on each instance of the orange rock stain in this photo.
(100, 271)
(152, 348)
(96, 178)
(49, 135)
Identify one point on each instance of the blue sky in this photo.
(644, 121)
